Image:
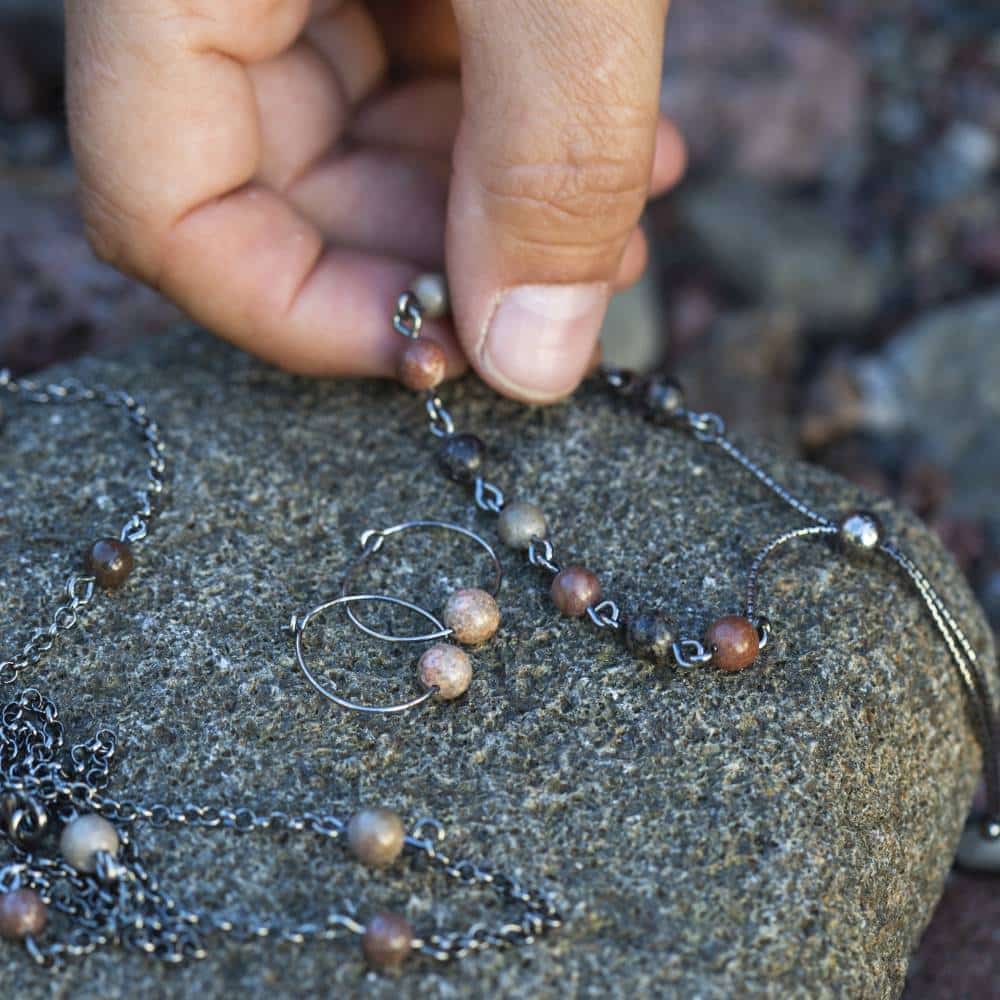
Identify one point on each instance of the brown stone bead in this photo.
(446, 668)
(387, 941)
(472, 615)
(376, 836)
(734, 643)
(23, 913)
(422, 365)
(111, 562)
(575, 589)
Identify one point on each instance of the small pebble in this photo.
(84, 838)
(520, 522)
(431, 291)
(422, 365)
(23, 913)
(574, 589)
(734, 642)
(111, 562)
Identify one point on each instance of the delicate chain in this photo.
(121, 903)
(663, 402)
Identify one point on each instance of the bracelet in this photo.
(733, 642)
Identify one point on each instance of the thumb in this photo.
(551, 172)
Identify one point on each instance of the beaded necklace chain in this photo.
(74, 849)
(735, 641)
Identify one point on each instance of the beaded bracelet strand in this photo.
(96, 878)
(733, 642)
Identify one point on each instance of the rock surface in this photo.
(785, 831)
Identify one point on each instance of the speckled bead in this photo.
(650, 636)
(574, 589)
(663, 398)
(447, 668)
(734, 643)
(84, 838)
(111, 562)
(472, 615)
(375, 836)
(23, 914)
(387, 941)
(520, 522)
(461, 457)
(431, 291)
(422, 365)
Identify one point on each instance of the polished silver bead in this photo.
(431, 291)
(979, 848)
(520, 522)
(860, 531)
(84, 838)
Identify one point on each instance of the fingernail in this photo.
(541, 338)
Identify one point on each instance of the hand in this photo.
(282, 169)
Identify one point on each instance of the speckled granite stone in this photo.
(784, 831)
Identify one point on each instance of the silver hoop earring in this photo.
(470, 616)
(444, 670)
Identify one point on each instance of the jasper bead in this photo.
(461, 457)
(574, 589)
(84, 838)
(734, 643)
(375, 836)
(447, 668)
(431, 291)
(111, 562)
(23, 913)
(387, 941)
(650, 636)
(520, 522)
(422, 365)
(472, 615)
(860, 532)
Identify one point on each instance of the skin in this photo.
(282, 169)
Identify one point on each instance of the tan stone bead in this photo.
(387, 941)
(375, 836)
(447, 668)
(86, 836)
(431, 291)
(472, 615)
(422, 365)
(734, 643)
(574, 589)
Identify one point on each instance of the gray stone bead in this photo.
(650, 636)
(84, 837)
(520, 522)
(431, 291)
(860, 532)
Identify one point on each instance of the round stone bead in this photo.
(650, 636)
(375, 836)
(663, 397)
(472, 615)
(111, 562)
(387, 941)
(23, 913)
(422, 365)
(431, 291)
(86, 836)
(574, 589)
(447, 668)
(734, 643)
(520, 522)
(461, 457)
(860, 532)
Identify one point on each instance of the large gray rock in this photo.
(784, 831)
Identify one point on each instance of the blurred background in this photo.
(826, 276)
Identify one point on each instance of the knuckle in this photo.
(115, 236)
(586, 194)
